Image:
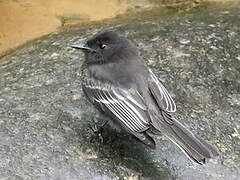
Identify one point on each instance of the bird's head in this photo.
(106, 46)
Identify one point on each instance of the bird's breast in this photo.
(112, 73)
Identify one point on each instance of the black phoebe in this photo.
(117, 82)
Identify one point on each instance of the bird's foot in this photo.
(98, 129)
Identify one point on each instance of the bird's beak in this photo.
(83, 46)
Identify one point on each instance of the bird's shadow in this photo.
(122, 153)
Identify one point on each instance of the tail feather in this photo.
(145, 138)
(193, 146)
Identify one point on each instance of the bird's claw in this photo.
(98, 129)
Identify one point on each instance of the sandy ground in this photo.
(24, 20)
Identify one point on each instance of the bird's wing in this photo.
(127, 105)
(160, 94)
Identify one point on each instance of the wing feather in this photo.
(161, 95)
(126, 104)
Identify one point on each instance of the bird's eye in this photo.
(102, 46)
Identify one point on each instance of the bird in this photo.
(118, 83)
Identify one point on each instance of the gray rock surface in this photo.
(44, 116)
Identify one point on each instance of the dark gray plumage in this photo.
(117, 82)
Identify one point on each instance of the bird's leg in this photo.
(98, 129)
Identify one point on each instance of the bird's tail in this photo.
(193, 146)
